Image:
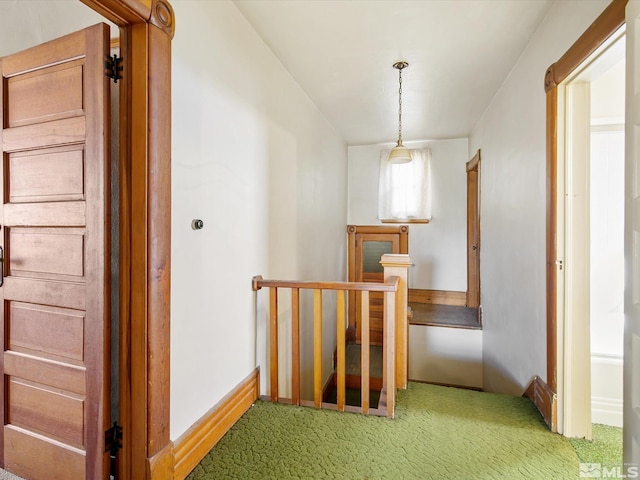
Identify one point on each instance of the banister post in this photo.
(398, 266)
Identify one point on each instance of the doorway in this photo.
(473, 233)
(590, 241)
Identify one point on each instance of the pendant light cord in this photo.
(400, 107)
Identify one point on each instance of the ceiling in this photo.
(341, 53)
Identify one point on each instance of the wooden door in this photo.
(366, 245)
(54, 222)
(631, 402)
(473, 232)
(370, 249)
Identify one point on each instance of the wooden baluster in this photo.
(317, 348)
(388, 348)
(341, 328)
(364, 356)
(295, 345)
(273, 342)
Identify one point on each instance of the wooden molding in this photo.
(160, 466)
(162, 17)
(438, 297)
(545, 400)
(474, 162)
(353, 229)
(122, 12)
(452, 385)
(602, 28)
(195, 443)
(552, 215)
(146, 28)
(407, 220)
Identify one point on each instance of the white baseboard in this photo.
(607, 411)
(606, 389)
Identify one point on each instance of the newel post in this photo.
(396, 265)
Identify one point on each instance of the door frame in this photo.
(609, 21)
(473, 232)
(353, 233)
(146, 30)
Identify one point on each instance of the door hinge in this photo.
(113, 68)
(112, 444)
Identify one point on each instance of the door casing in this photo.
(473, 231)
(611, 19)
(146, 30)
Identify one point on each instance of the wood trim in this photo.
(438, 297)
(406, 220)
(158, 208)
(474, 162)
(313, 285)
(545, 400)
(473, 231)
(146, 30)
(192, 446)
(377, 229)
(552, 216)
(122, 12)
(609, 21)
(452, 385)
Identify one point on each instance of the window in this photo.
(404, 191)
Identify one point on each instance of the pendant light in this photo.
(399, 153)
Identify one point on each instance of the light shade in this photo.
(399, 154)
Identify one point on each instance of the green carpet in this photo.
(605, 448)
(438, 433)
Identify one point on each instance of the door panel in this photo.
(47, 175)
(369, 250)
(54, 228)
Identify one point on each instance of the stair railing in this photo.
(386, 405)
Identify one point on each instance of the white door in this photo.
(632, 242)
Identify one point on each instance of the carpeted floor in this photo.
(605, 448)
(438, 433)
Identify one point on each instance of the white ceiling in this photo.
(341, 53)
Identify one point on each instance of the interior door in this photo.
(371, 247)
(54, 222)
(631, 417)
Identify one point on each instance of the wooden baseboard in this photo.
(160, 466)
(438, 297)
(451, 385)
(195, 443)
(545, 400)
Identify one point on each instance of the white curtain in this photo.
(404, 191)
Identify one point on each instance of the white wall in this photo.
(607, 211)
(26, 24)
(451, 356)
(607, 244)
(438, 249)
(511, 134)
(255, 160)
